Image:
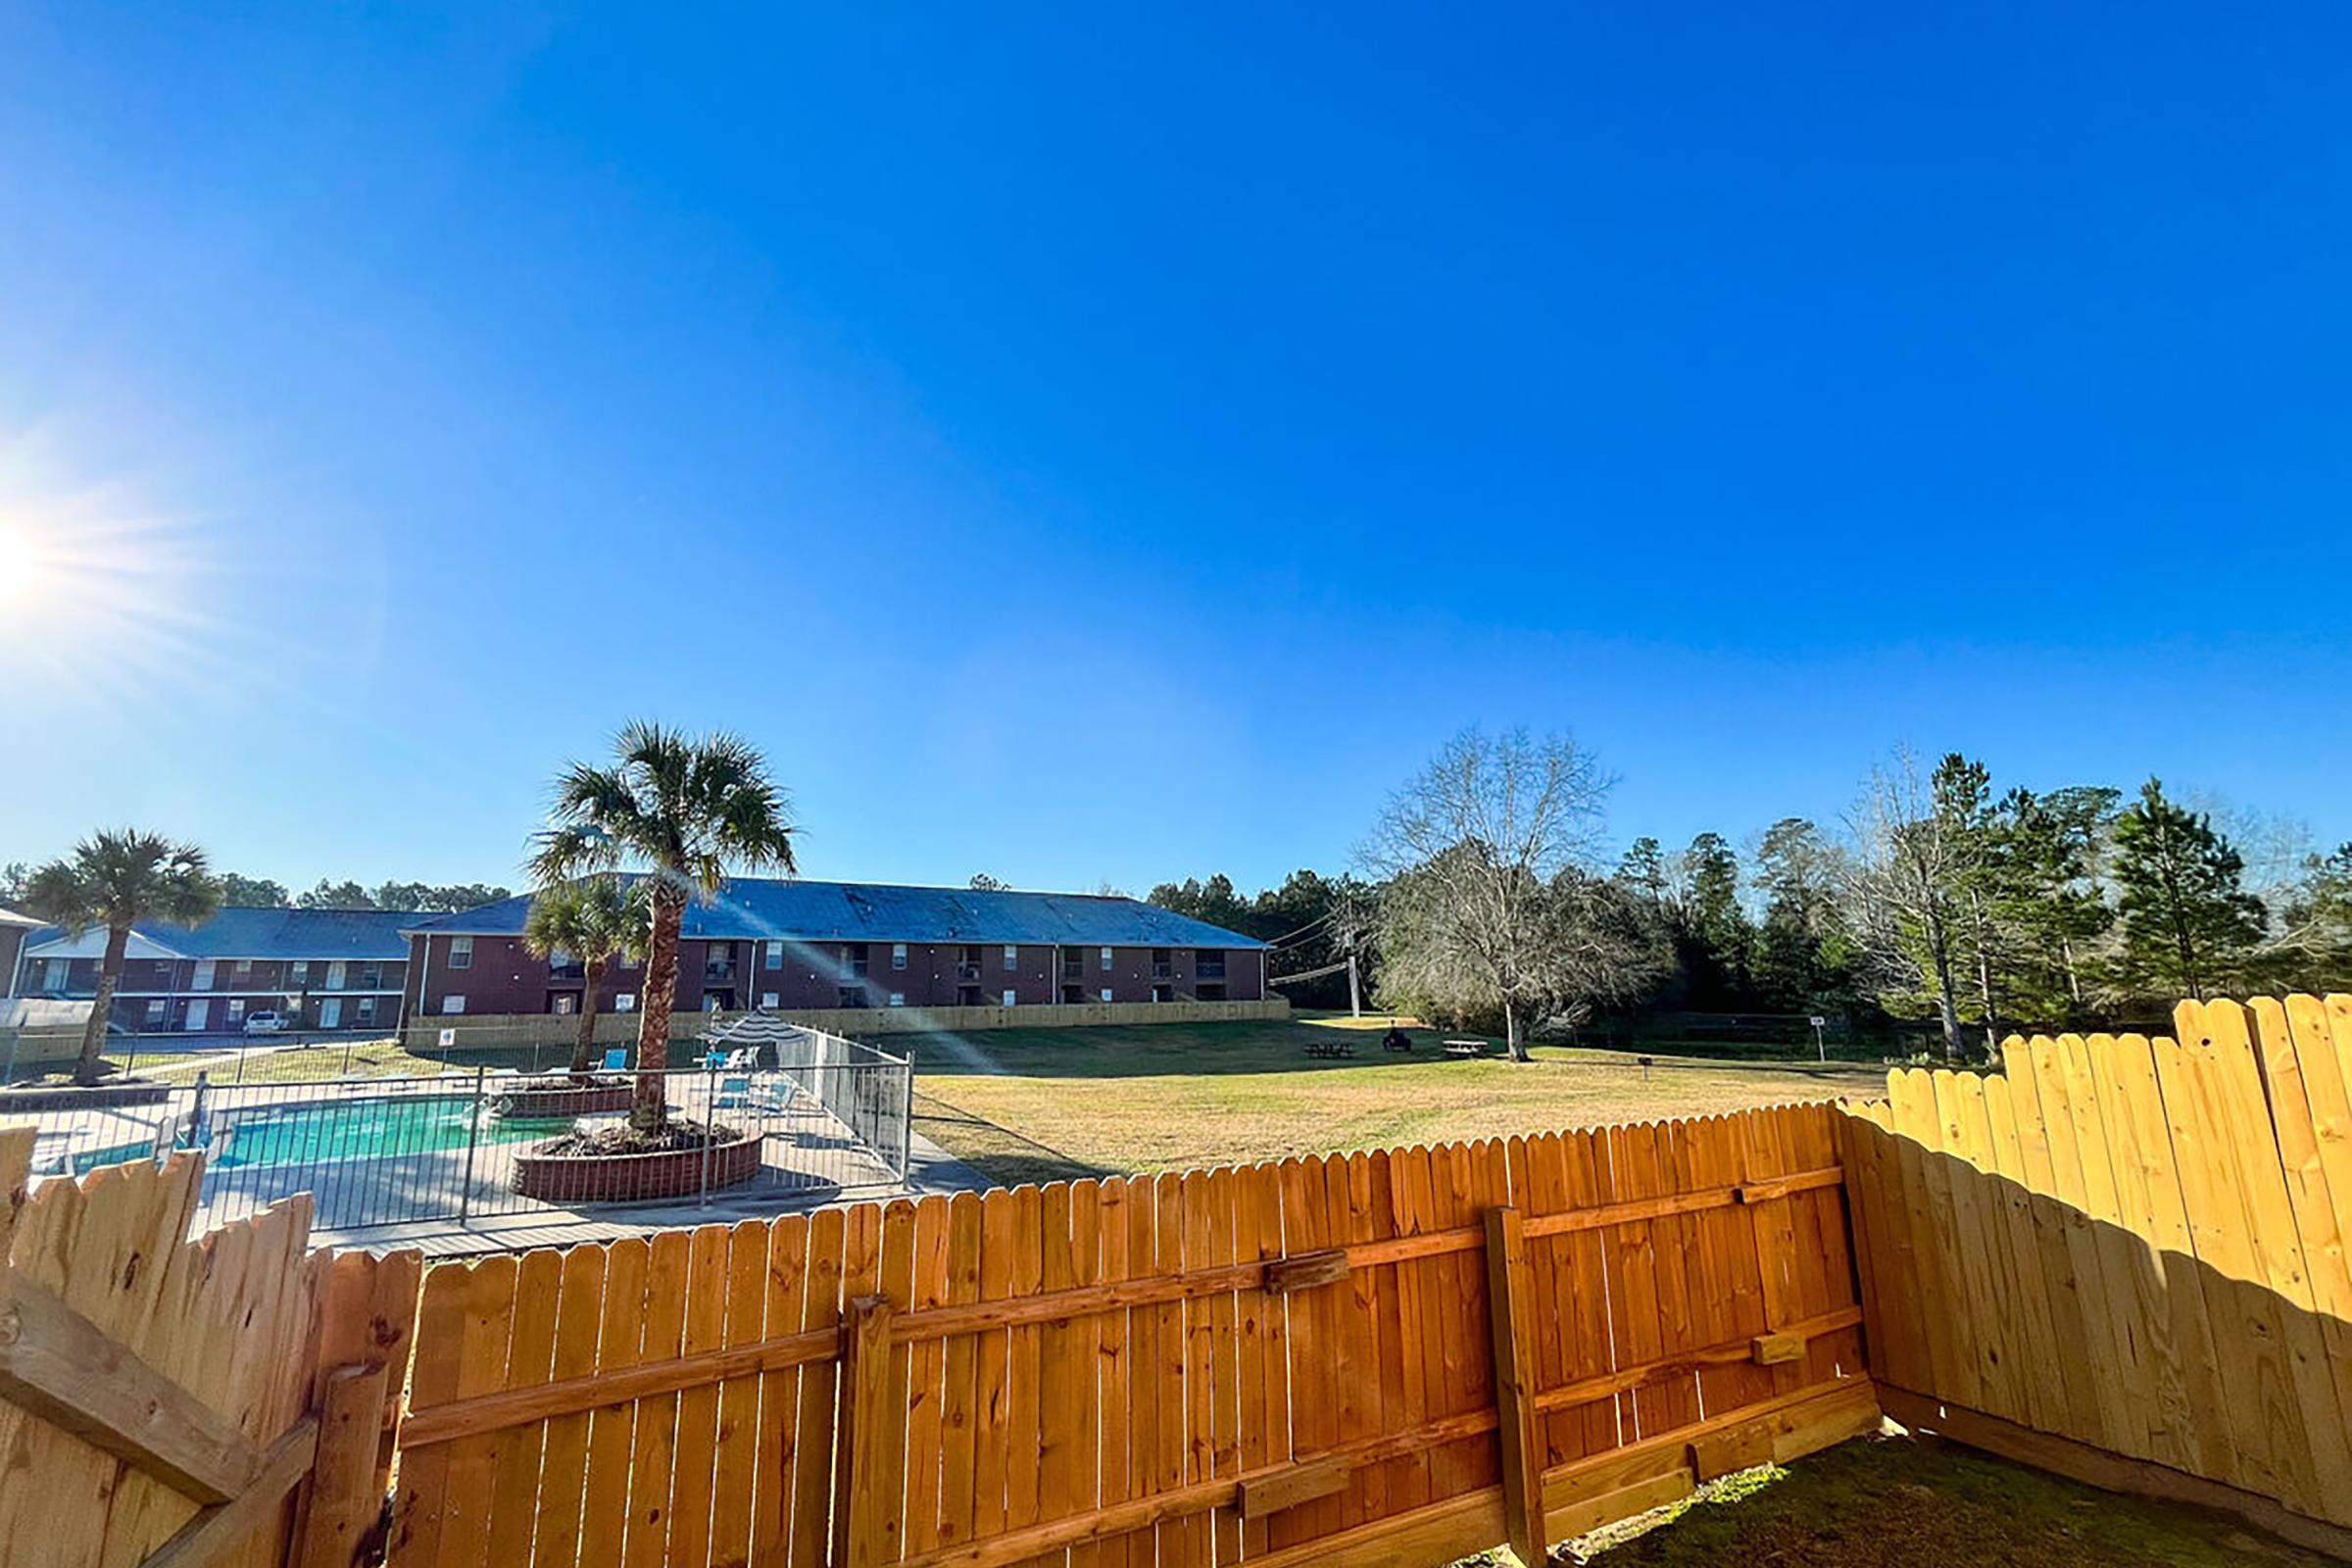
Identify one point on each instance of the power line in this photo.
(1287, 936)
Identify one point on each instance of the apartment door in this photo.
(199, 1012)
(330, 1012)
(202, 978)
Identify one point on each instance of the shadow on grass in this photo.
(1218, 1050)
(998, 1153)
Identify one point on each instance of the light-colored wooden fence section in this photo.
(2135, 1245)
(159, 1396)
(1395, 1356)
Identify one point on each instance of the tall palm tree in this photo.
(688, 808)
(595, 920)
(115, 878)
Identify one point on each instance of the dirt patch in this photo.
(676, 1138)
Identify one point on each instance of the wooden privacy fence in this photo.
(2124, 1259)
(1398, 1356)
(173, 1402)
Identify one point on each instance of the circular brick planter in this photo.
(633, 1178)
(553, 1102)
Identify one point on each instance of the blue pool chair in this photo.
(616, 1059)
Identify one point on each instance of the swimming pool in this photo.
(363, 1129)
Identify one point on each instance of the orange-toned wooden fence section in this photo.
(1405, 1355)
(2124, 1259)
(176, 1402)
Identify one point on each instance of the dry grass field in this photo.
(1044, 1105)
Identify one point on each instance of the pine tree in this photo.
(2188, 925)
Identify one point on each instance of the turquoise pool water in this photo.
(360, 1129)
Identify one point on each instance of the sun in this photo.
(22, 569)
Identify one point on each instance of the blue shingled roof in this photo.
(264, 933)
(759, 909)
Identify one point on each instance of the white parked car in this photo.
(265, 1023)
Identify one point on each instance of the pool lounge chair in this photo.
(734, 1091)
(618, 1059)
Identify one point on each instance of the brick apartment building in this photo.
(823, 945)
(319, 969)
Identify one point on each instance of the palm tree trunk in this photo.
(583, 1050)
(93, 1032)
(650, 1110)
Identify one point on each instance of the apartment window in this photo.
(363, 1010)
(461, 953)
(55, 972)
(1164, 964)
(1012, 961)
(244, 966)
(155, 1013)
(848, 997)
(1209, 963)
(771, 954)
(624, 1001)
(1107, 993)
(1012, 999)
(565, 1005)
(298, 973)
(768, 999)
(371, 978)
(1106, 966)
(452, 1002)
(854, 956)
(897, 955)
(897, 999)
(236, 1008)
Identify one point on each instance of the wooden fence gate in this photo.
(2124, 1259)
(1403, 1355)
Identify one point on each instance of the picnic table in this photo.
(1465, 1047)
(1331, 1048)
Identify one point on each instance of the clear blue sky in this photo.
(1083, 446)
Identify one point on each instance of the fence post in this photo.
(906, 1116)
(1509, 1284)
(473, 1138)
(709, 1119)
(864, 1523)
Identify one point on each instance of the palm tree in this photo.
(690, 809)
(595, 920)
(115, 878)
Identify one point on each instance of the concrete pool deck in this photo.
(929, 1169)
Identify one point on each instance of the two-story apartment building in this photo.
(795, 945)
(324, 969)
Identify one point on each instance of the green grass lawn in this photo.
(1904, 1502)
(1042, 1104)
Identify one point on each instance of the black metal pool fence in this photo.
(829, 1115)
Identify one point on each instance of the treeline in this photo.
(1943, 900)
(1314, 920)
(258, 892)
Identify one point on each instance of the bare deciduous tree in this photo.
(1486, 906)
(1905, 874)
